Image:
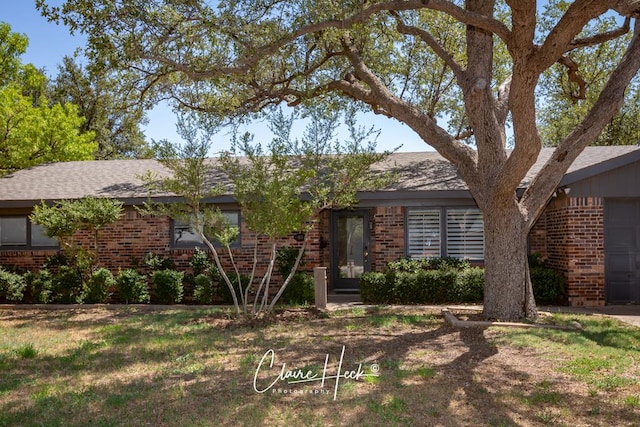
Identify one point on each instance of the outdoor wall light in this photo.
(298, 237)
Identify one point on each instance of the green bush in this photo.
(156, 262)
(376, 288)
(39, 286)
(285, 259)
(97, 287)
(223, 293)
(548, 285)
(423, 286)
(132, 287)
(417, 265)
(469, 286)
(407, 265)
(300, 290)
(200, 262)
(435, 286)
(12, 286)
(67, 286)
(168, 286)
(204, 289)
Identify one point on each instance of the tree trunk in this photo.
(508, 294)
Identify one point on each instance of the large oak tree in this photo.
(412, 60)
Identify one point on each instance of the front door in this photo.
(350, 249)
(622, 251)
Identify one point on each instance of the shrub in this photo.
(286, 259)
(223, 293)
(12, 286)
(469, 286)
(204, 291)
(406, 287)
(39, 286)
(423, 287)
(548, 285)
(407, 265)
(449, 262)
(376, 288)
(168, 286)
(434, 286)
(300, 290)
(200, 262)
(67, 286)
(155, 262)
(132, 287)
(417, 265)
(97, 287)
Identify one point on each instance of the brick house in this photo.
(590, 230)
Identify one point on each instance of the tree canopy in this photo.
(34, 130)
(454, 72)
(109, 115)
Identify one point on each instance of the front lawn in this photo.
(140, 366)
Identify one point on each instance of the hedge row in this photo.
(62, 281)
(416, 282)
(423, 287)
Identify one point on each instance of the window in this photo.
(446, 232)
(185, 236)
(465, 234)
(423, 233)
(13, 231)
(18, 231)
(39, 238)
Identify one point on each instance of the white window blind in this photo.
(423, 233)
(465, 234)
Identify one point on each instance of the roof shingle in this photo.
(418, 171)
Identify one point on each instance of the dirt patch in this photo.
(225, 320)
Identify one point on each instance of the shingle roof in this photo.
(419, 171)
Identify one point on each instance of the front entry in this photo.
(622, 251)
(349, 249)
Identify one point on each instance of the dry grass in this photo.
(135, 366)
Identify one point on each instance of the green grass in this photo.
(128, 366)
(27, 351)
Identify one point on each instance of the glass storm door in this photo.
(350, 249)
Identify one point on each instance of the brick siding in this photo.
(387, 237)
(570, 235)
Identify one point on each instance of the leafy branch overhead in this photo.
(477, 80)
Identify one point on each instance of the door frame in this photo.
(348, 285)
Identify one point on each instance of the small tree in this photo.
(281, 189)
(63, 219)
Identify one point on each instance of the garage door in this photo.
(622, 250)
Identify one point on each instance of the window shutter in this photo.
(423, 233)
(465, 234)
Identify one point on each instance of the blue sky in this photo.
(49, 43)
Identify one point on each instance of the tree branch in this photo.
(502, 104)
(368, 88)
(608, 103)
(579, 13)
(426, 37)
(574, 77)
(600, 38)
